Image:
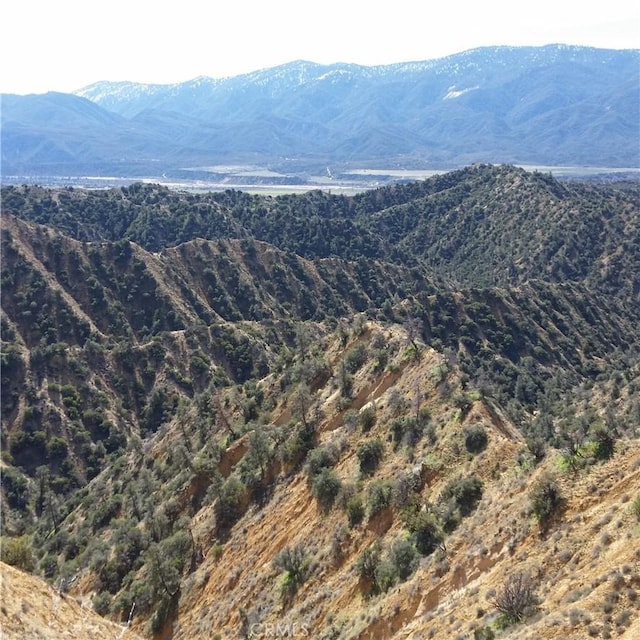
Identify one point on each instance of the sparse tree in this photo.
(302, 400)
(517, 599)
(546, 499)
(413, 327)
(302, 340)
(221, 417)
(255, 464)
(367, 564)
(417, 399)
(294, 561)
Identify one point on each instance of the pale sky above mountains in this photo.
(64, 45)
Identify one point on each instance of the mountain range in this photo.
(410, 412)
(552, 105)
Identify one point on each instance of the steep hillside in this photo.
(552, 105)
(583, 569)
(480, 226)
(33, 609)
(397, 503)
(101, 339)
(228, 415)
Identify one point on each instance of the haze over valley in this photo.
(319, 125)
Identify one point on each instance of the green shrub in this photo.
(326, 487)
(381, 360)
(254, 465)
(476, 439)
(57, 448)
(603, 443)
(229, 505)
(288, 587)
(379, 496)
(546, 500)
(407, 430)
(160, 615)
(15, 487)
(102, 603)
(297, 447)
(105, 511)
(367, 564)
(404, 558)
(465, 493)
(49, 566)
(355, 358)
(216, 551)
(319, 459)
(635, 507)
(599, 446)
(355, 510)
(339, 544)
(166, 561)
(386, 575)
(123, 603)
(367, 418)
(346, 384)
(370, 454)
(463, 402)
(426, 531)
(350, 418)
(537, 447)
(484, 633)
(17, 552)
(397, 565)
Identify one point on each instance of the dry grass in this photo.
(33, 609)
(584, 567)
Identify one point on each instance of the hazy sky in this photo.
(63, 45)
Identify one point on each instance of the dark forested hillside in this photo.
(496, 264)
(480, 226)
(167, 355)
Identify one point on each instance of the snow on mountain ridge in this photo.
(304, 71)
(475, 67)
(453, 92)
(102, 92)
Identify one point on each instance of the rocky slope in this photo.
(584, 568)
(242, 440)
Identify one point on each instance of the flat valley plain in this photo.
(266, 181)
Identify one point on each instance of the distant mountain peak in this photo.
(551, 105)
